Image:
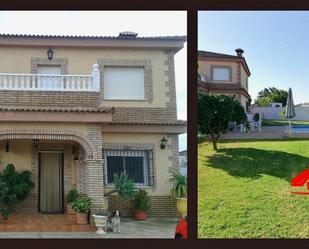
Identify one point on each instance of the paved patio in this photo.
(64, 226)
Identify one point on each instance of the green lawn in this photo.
(274, 122)
(244, 189)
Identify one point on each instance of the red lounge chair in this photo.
(300, 180)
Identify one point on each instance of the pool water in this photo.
(300, 129)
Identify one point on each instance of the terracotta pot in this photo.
(182, 206)
(81, 218)
(140, 215)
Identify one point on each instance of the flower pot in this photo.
(81, 218)
(182, 206)
(100, 223)
(140, 215)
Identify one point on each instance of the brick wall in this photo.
(44, 98)
(161, 206)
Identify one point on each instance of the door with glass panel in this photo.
(51, 182)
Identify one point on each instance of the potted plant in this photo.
(142, 205)
(72, 196)
(82, 207)
(100, 219)
(179, 190)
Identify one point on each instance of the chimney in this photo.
(127, 34)
(239, 52)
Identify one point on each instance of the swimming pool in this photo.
(300, 129)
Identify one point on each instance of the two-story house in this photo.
(224, 74)
(74, 110)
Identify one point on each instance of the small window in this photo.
(134, 163)
(124, 83)
(221, 74)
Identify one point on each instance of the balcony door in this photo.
(51, 81)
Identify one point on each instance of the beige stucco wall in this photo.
(243, 77)
(161, 157)
(243, 100)
(80, 61)
(205, 69)
(19, 154)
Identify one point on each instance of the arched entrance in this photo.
(89, 167)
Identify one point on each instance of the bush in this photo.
(81, 204)
(141, 200)
(72, 195)
(124, 186)
(179, 182)
(14, 186)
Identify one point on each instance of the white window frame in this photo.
(142, 87)
(220, 79)
(121, 153)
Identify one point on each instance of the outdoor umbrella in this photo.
(289, 109)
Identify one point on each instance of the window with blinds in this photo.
(123, 83)
(135, 163)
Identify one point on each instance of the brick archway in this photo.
(63, 135)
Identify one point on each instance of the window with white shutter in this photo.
(123, 83)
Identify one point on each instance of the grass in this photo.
(274, 122)
(244, 189)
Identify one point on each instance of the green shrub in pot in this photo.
(141, 204)
(82, 204)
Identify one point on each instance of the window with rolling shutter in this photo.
(135, 163)
(123, 83)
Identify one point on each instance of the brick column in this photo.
(95, 169)
(94, 183)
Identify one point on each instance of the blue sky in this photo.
(145, 23)
(276, 45)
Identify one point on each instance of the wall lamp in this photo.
(50, 53)
(163, 143)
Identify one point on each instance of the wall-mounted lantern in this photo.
(50, 53)
(163, 142)
(7, 146)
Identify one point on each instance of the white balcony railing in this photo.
(51, 82)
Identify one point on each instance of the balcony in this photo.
(51, 82)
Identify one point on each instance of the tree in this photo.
(215, 112)
(271, 95)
